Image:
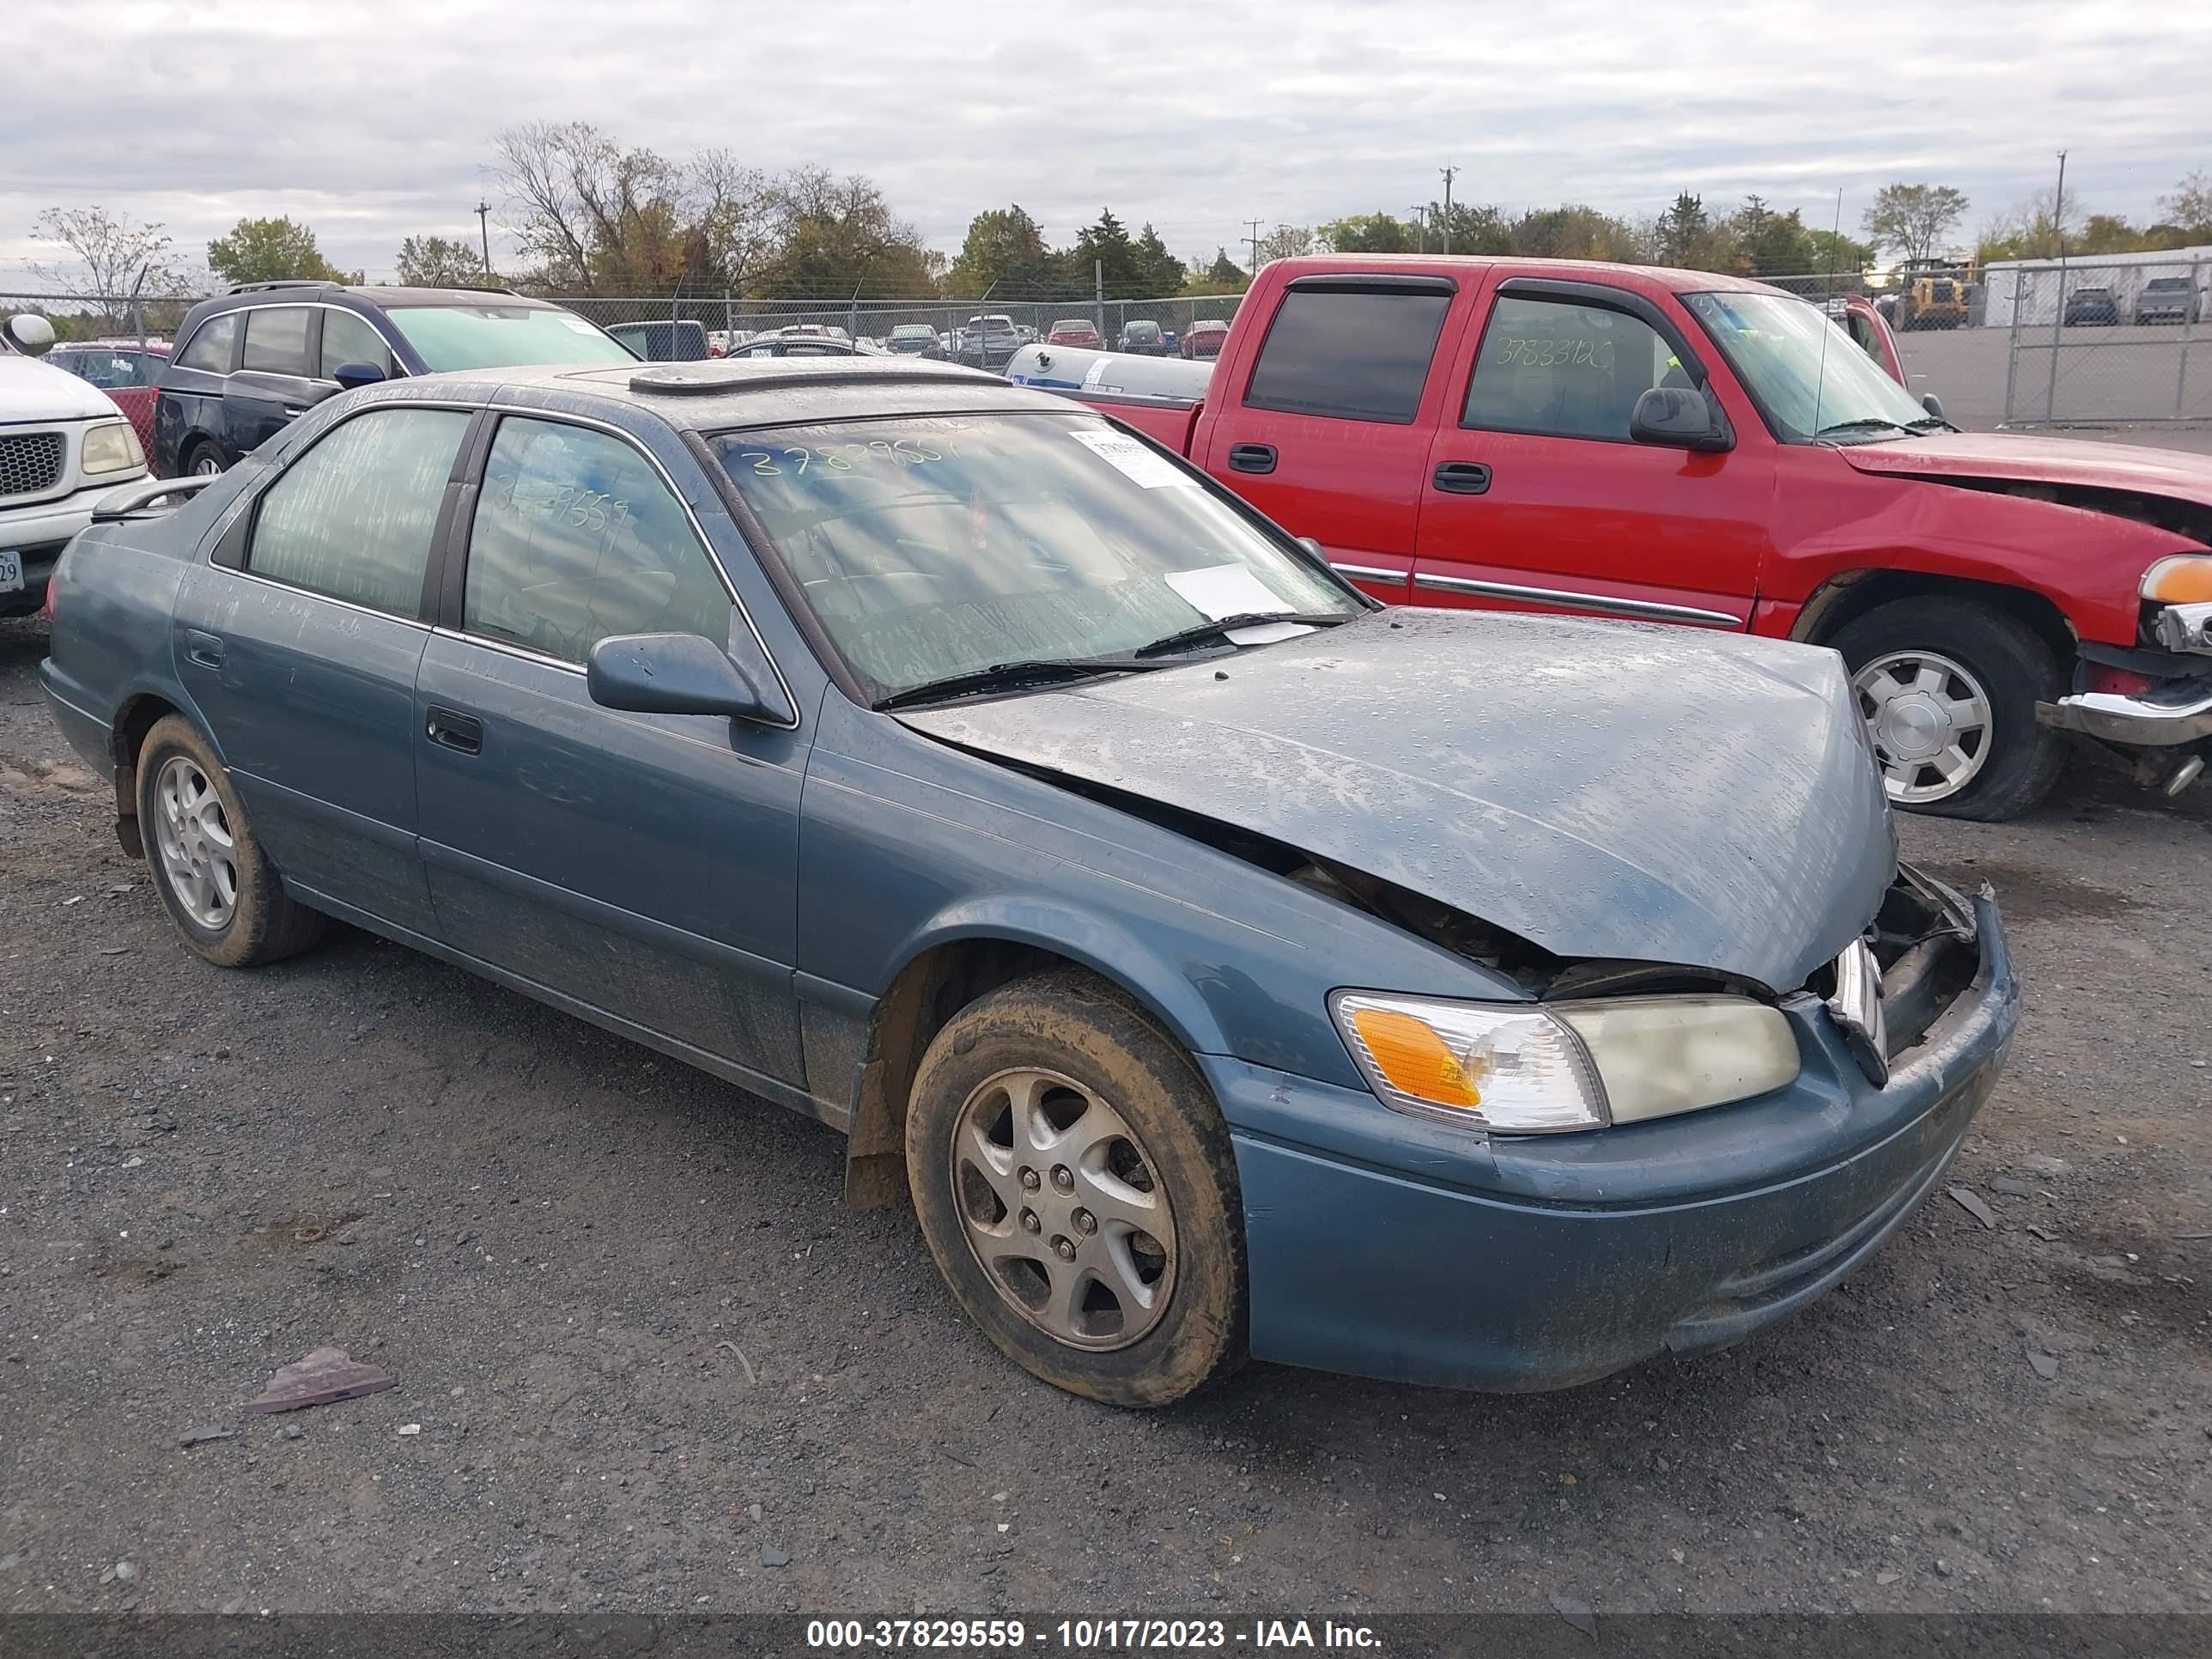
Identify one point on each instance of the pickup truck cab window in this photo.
(1568, 371)
(352, 517)
(277, 340)
(1358, 355)
(575, 539)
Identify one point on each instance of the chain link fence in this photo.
(2119, 341)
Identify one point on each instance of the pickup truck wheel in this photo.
(213, 879)
(1947, 687)
(1074, 1180)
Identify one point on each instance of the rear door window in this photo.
(1351, 354)
(350, 338)
(277, 340)
(214, 346)
(352, 519)
(1561, 370)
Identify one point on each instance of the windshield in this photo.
(935, 546)
(1142, 330)
(1804, 373)
(502, 336)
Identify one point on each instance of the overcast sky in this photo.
(371, 122)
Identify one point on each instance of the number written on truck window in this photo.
(1564, 370)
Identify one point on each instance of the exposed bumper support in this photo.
(2176, 714)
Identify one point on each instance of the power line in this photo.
(1421, 227)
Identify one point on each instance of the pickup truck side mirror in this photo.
(684, 674)
(1680, 417)
(1933, 404)
(349, 376)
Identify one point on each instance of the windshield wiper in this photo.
(1207, 630)
(1932, 423)
(1869, 423)
(1012, 675)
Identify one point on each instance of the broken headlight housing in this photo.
(1528, 1068)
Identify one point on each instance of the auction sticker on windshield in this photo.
(1226, 590)
(1133, 461)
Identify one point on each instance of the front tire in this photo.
(1074, 1180)
(216, 884)
(1947, 687)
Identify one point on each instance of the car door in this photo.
(643, 865)
(1534, 497)
(299, 639)
(276, 381)
(1330, 433)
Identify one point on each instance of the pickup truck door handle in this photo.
(462, 733)
(204, 649)
(1251, 457)
(1461, 477)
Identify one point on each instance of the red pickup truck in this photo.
(1677, 446)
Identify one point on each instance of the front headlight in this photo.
(111, 446)
(1526, 1069)
(2184, 579)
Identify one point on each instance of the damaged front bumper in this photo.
(1390, 1247)
(2168, 713)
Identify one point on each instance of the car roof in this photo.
(736, 391)
(297, 293)
(1453, 264)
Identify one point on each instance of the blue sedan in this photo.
(1221, 966)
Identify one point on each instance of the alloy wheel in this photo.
(1064, 1209)
(198, 856)
(1930, 722)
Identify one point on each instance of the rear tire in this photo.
(216, 884)
(1925, 671)
(202, 459)
(1075, 1182)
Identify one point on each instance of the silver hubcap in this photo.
(1063, 1209)
(206, 467)
(197, 855)
(1930, 720)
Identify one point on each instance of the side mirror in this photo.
(31, 336)
(352, 376)
(681, 674)
(1680, 417)
(1314, 547)
(1933, 404)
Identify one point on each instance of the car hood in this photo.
(2041, 460)
(1601, 789)
(32, 390)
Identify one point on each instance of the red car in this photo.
(1075, 332)
(124, 369)
(1205, 338)
(1675, 446)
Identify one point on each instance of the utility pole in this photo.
(1449, 173)
(2058, 313)
(483, 228)
(1421, 227)
(1252, 248)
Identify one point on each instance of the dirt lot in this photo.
(650, 1355)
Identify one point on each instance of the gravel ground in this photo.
(656, 1366)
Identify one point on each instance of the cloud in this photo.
(374, 122)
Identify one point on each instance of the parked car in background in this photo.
(1685, 447)
(126, 370)
(64, 445)
(1145, 338)
(2168, 300)
(987, 342)
(2092, 303)
(936, 759)
(664, 341)
(1075, 332)
(1205, 338)
(250, 361)
(789, 343)
(913, 340)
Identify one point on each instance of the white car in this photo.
(63, 445)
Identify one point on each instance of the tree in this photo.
(1833, 252)
(113, 256)
(1685, 235)
(2105, 233)
(1107, 246)
(1571, 232)
(1468, 228)
(1283, 242)
(1005, 249)
(1161, 272)
(1913, 219)
(267, 250)
(2189, 210)
(838, 236)
(1225, 269)
(440, 262)
(1757, 241)
(1369, 233)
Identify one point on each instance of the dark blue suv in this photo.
(250, 361)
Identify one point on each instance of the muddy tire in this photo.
(216, 884)
(1948, 688)
(1075, 1182)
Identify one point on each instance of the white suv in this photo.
(63, 445)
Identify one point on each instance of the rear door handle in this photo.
(205, 649)
(462, 733)
(1461, 477)
(1251, 457)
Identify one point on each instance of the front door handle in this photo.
(462, 733)
(1251, 457)
(205, 649)
(1461, 477)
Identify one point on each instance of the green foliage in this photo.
(270, 249)
(1369, 233)
(1912, 221)
(440, 262)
